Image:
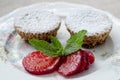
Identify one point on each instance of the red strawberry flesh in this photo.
(38, 63)
(90, 57)
(85, 53)
(84, 62)
(76, 62)
(71, 64)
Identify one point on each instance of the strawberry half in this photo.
(38, 63)
(70, 64)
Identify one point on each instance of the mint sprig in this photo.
(56, 43)
(44, 47)
(55, 48)
(75, 42)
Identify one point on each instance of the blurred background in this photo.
(112, 6)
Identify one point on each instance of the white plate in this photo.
(13, 48)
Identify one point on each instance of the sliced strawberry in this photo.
(70, 64)
(91, 57)
(38, 63)
(87, 64)
(87, 59)
(84, 62)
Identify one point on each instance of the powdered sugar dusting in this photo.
(90, 20)
(36, 21)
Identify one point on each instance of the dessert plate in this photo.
(13, 48)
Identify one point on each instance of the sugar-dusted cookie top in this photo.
(36, 21)
(90, 20)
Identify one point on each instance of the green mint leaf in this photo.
(56, 43)
(56, 49)
(44, 47)
(75, 42)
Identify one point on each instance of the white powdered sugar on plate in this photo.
(90, 20)
(36, 21)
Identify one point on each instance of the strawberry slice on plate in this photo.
(70, 64)
(84, 62)
(91, 57)
(76, 62)
(37, 63)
